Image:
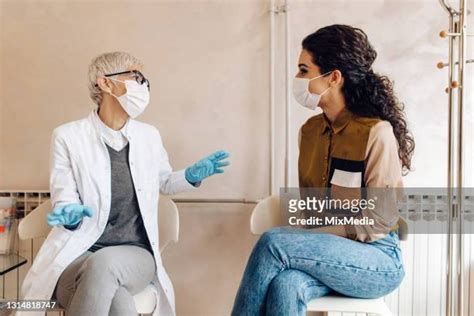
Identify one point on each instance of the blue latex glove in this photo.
(68, 215)
(207, 167)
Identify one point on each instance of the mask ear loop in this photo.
(329, 85)
(114, 84)
(325, 91)
(116, 79)
(321, 75)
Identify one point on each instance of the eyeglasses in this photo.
(138, 76)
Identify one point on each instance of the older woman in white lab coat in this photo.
(82, 195)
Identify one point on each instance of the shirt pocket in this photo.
(347, 173)
(348, 179)
(346, 185)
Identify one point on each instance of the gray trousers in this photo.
(104, 282)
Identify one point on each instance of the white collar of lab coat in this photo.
(106, 132)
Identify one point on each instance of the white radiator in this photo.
(423, 290)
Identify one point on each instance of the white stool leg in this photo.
(387, 312)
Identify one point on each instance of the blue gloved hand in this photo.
(207, 167)
(68, 215)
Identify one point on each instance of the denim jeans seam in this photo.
(305, 286)
(396, 260)
(395, 271)
(280, 257)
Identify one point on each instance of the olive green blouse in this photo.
(352, 152)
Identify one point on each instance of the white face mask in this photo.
(136, 99)
(303, 96)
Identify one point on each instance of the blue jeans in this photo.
(290, 266)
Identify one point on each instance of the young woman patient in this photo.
(360, 140)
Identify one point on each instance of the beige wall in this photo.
(207, 62)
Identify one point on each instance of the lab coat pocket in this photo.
(151, 185)
(54, 243)
(66, 231)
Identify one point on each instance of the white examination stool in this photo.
(34, 225)
(266, 215)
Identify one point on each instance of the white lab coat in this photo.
(80, 173)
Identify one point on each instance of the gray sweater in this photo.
(125, 223)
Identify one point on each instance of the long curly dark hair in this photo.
(367, 94)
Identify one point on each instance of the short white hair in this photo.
(108, 63)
